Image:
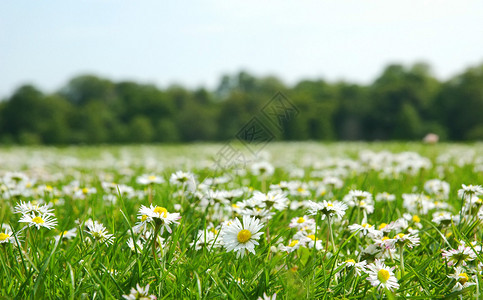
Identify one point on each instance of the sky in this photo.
(193, 43)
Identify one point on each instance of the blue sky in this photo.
(194, 42)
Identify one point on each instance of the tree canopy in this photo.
(403, 103)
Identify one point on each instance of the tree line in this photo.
(403, 103)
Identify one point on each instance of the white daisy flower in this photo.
(139, 293)
(358, 267)
(184, 179)
(301, 222)
(410, 240)
(366, 229)
(460, 255)
(267, 297)
(327, 208)
(310, 241)
(273, 199)
(385, 196)
(462, 279)
(263, 169)
(134, 245)
(444, 218)
(468, 191)
(99, 233)
(381, 276)
(438, 188)
(67, 234)
(240, 237)
(146, 179)
(25, 208)
(208, 239)
(41, 220)
(7, 236)
(159, 215)
(292, 246)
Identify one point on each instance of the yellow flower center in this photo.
(143, 218)
(330, 205)
(383, 275)
(85, 190)
(350, 261)
(416, 219)
(385, 238)
(300, 220)
(300, 190)
(49, 188)
(463, 278)
(293, 243)
(234, 206)
(38, 220)
(383, 225)
(152, 177)
(63, 233)
(400, 235)
(3, 236)
(161, 210)
(311, 236)
(244, 235)
(365, 225)
(362, 203)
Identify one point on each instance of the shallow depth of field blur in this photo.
(241, 149)
(96, 222)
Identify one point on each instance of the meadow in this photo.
(231, 221)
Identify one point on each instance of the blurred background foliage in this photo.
(403, 103)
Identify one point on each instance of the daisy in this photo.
(140, 293)
(358, 267)
(410, 240)
(207, 239)
(263, 169)
(41, 220)
(366, 229)
(292, 246)
(184, 179)
(35, 208)
(327, 208)
(310, 241)
(444, 218)
(68, 234)
(460, 255)
(239, 237)
(468, 191)
(333, 182)
(267, 297)
(159, 215)
(462, 279)
(381, 276)
(99, 233)
(276, 200)
(438, 188)
(149, 179)
(301, 222)
(134, 245)
(7, 236)
(385, 196)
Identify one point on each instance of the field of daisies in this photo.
(215, 221)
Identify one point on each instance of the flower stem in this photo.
(401, 259)
(331, 235)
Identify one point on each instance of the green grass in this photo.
(37, 267)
